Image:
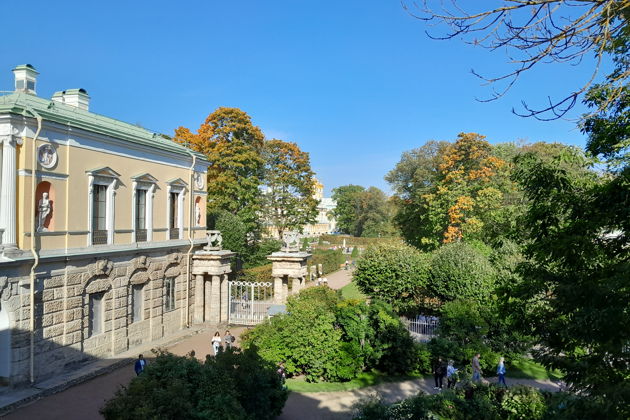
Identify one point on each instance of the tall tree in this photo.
(345, 211)
(373, 214)
(576, 293)
(449, 191)
(234, 147)
(288, 201)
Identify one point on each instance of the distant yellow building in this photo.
(325, 222)
(97, 222)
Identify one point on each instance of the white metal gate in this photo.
(249, 302)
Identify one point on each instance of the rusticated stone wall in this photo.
(62, 309)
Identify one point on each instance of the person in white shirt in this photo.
(216, 342)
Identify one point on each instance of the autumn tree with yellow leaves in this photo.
(234, 146)
(449, 191)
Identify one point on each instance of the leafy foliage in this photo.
(288, 202)
(478, 402)
(395, 273)
(459, 271)
(325, 338)
(575, 291)
(451, 191)
(234, 385)
(363, 213)
(346, 198)
(234, 146)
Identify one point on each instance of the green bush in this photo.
(460, 271)
(395, 273)
(258, 252)
(474, 402)
(234, 385)
(325, 338)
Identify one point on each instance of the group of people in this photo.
(218, 343)
(442, 370)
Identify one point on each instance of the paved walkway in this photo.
(85, 390)
(339, 405)
(82, 400)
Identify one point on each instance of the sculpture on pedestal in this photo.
(215, 240)
(290, 241)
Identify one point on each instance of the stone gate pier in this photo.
(289, 264)
(211, 267)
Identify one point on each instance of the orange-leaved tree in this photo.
(234, 147)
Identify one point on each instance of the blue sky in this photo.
(354, 83)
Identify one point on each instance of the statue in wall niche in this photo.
(197, 214)
(44, 208)
(290, 241)
(215, 240)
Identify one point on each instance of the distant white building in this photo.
(325, 222)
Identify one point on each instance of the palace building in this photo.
(98, 221)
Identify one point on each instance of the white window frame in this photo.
(109, 178)
(149, 184)
(173, 302)
(176, 186)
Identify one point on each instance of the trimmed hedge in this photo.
(256, 274)
(330, 259)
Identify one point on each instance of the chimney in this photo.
(25, 78)
(74, 97)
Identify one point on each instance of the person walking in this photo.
(501, 371)
(476, 368)
(216, 342)
(229, 339)
(439, 371)
(139, 365)
(451, 377)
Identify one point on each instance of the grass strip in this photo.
(361, 381)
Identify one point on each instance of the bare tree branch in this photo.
(535, 32)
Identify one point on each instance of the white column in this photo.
(134, 186)
(149, 221)
(8, 204)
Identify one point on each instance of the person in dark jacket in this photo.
(140, 365)
(439, 371)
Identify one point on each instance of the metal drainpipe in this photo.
(191, 215)
(33, 249)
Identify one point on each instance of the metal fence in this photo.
(421, 328)
(249, 302)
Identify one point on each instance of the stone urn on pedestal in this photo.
(288, 263)
(211, 267)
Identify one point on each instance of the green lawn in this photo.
(528, 369)
(351, 291)
(364, 379)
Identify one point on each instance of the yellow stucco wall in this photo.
(71, 203)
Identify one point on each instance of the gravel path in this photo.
(338, 405)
